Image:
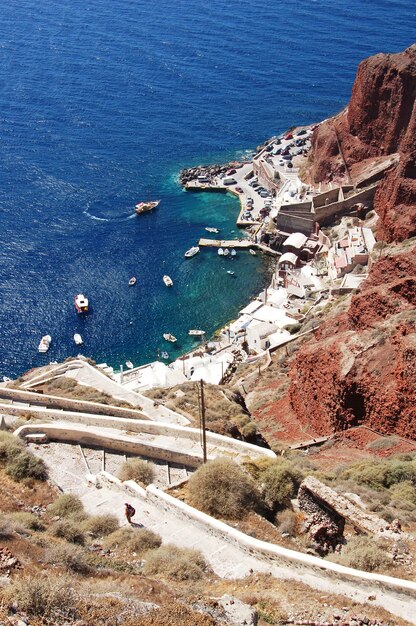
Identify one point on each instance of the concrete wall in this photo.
(40, 399)
(325, 214)
(290, 223)
(155, 428)
(328, 197)
(305, 208)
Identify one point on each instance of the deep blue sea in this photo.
(102, 102)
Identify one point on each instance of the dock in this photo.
(242, 244)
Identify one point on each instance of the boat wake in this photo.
(109, 219)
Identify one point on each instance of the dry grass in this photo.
(137, 470)
(68, 530)
(175, 563)
(100, 525)
(68, 506)
(73, 558)
(45, 596)
(66, 387)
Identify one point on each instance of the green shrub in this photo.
(365, 554)
(404, 491)
(68, 530)
(119, 538)
(29, 521)
(73, 558)
(370, 473)
(68, 506)
(100, 525)
(26, 465)
(176, 563)
(46, 596)
(10, 446)
(138, 470)
(143, 540)
(279, 483)
(249, 431)
(399, 471)
(222, 488)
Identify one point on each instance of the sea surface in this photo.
(102, 102)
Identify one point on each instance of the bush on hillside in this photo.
(222, 488)
(138, 470)
(100, 525)
(176, 563)
(28, 521)
(364, 553)
(68, 530)
(119, 538)
(404, 491)
(143, 540)
(279, 483)
(10, 446)
(6, 527)
(68, 506)
(73, 558)
(46, 596)
(380, 474)
(287, 522)
(25, 465)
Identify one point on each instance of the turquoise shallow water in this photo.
(101, 103)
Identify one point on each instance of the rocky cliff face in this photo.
(360, 368)
(379, 120)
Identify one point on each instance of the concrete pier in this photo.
(242, 244)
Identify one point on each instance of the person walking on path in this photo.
(129, 511)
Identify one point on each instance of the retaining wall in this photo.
(69, 404)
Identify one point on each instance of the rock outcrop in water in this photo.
(379, 120)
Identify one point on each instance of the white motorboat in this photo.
(78, 339)
(211, 229)
(6, 379)
(230, 273)
(226, 252)
(81, 303)
(253, 252)
(167, 280)
(44, 343)
(129, 364)
(196, 333)
(233, 252)
(192, 252)
(132, 281)
(144, 207)
(220, 251)
(169, 337)
(164, 355)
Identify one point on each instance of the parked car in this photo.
(287, 157)
(239, 190)
(289, 136)
(301, 132)
(231, 172)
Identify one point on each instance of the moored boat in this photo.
(226, 252)
(253, 252)
(167, 280)
(129, 364)
(169, 337)
(192, 252)
(196, 333)
(78, 339)
(211, 229)
(132, 281)
(164, 355)
(44, 343)
(144, 207)
(81, 303)
(230, 273)
(233, 252)
(220, 251)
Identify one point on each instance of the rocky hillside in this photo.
(379, 120)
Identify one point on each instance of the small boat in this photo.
(220, 251)
(226, 252)
(192, 252)
(129, 364)
(6, 379)
(132, 281)
(211, 229)
(164, 355)
(253, 252)
(81, 303)
(196, 333)
(44, 343)
(233, 252)
(230, 273)
(144, 207)
(167, 280)
(169, 337)
(78, 339)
